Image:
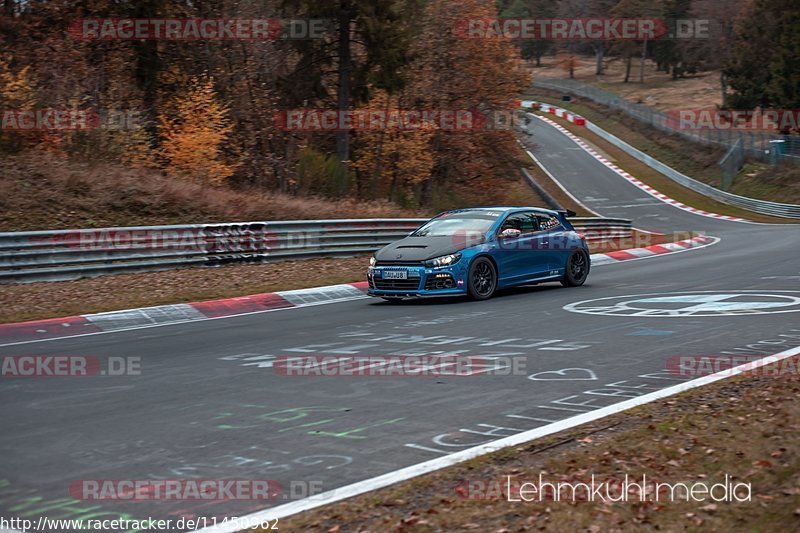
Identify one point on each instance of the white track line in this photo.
(426, 467)
(634, 181)
(564, 189)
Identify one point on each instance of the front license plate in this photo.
(395, 274)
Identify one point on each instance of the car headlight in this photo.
(372, 261)
(443, 261)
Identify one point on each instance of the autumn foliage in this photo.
(205, 108)
(193, 135)
(394, 161)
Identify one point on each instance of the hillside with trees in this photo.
(204, 111)
(209, 113)
(754, 45)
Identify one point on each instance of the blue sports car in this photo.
(477, 251)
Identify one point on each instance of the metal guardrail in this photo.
(72, 254)
(602, 229)
(755, 144)
(763, 207)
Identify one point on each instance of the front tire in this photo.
(577, 269)
(482, 279)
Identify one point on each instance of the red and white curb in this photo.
(560, 112)
(38, 330)
(658, 249)
(161, 315)
(643, 186)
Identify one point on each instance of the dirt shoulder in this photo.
(659, 90)
(745, 428)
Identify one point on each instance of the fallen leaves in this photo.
(697, 451)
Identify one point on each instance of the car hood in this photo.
(421, 248)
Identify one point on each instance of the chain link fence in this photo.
(730, 164)
(769, 147)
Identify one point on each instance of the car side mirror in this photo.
(510, 233)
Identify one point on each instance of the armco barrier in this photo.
(763, 207)
(754, 143)
(71, 254)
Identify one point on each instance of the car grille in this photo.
(396, 284)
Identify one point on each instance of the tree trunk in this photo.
(628, 62)
(393, 187)
(641, 63)
(342, 136)
(723, 86)
(147, 67)
(599, 53)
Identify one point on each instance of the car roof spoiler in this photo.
(567, 212)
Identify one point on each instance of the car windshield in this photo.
(450, 224)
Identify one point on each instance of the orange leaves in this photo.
(194, 133)
(16, 90)
(569, 63)
(460, 74)
(394, 157)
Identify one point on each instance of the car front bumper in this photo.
(419, 282)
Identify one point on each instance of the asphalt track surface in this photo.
(208, 404)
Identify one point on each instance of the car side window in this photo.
(524, 222)
(548, 222)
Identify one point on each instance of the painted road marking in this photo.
(404, 474)
(691, 304)
(565, 374)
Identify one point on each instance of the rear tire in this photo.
(577, 269)
(482, 279)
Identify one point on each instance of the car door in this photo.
(553, 238)
(538, 254)
(520, 257)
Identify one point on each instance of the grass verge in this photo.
(744, 427)
(656, 179)
(44, 191)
